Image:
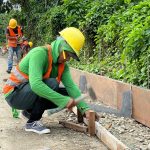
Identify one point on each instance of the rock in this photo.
(148, 147)
(139, 139)
(121, 130)
(131, 130)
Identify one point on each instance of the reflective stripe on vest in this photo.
(17, 77)
(13, 42)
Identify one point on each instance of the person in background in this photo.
(13, 34)
(34, 86)
(25, 46)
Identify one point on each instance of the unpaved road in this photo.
(13, 136)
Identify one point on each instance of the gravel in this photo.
(132, 133)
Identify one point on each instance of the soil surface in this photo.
(13, 136)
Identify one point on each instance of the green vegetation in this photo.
(117, 33)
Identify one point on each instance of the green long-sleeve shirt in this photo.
(35, 65)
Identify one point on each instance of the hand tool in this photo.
(90, 93)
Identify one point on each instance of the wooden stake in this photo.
(91, 124)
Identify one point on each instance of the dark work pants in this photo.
(23, 98)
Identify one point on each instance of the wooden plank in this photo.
(111, 141)
(74, 126)
(111, 93)
(107, 138)
(141, 105)
(107, 93)
(91, 124)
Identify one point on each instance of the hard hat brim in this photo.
(12, 27)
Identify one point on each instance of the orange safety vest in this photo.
(17, 77)
(13, 42)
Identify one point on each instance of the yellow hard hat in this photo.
(74, 38)
(30, 44)
(12, 23)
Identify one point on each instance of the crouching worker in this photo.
(34, 85)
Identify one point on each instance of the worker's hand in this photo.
(87, 114)
(71, 104)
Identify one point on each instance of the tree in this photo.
(5, 6)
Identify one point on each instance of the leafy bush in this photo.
(50, 24)
(75, 11)
(127, 34)
(117, 33)
(99, 13)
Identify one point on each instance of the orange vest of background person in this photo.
(13, 42)
(17, 77)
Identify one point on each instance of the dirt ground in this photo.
(13, 136)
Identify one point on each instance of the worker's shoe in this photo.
(36, 127)
(8, 71)
(25, 115)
